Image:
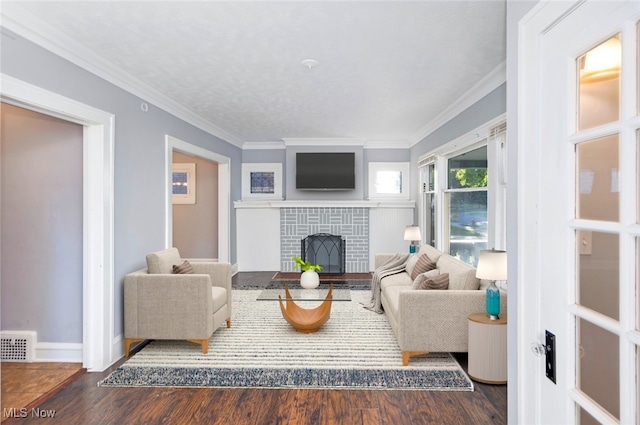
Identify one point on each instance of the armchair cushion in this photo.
(163, 261)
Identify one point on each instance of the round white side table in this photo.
(488, 349)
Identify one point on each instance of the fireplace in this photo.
(326, 250)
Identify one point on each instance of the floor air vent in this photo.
(17, 346)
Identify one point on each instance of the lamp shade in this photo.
(492, 265)
(412, 233)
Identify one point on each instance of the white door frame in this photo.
(99, 348)
(224, 191)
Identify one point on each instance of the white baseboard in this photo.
(58, 352)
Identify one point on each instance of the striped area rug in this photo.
(356, 348)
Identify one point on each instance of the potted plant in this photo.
(309, 278)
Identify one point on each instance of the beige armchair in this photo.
(159, 304)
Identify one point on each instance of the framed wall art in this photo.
(262, 181)
(184, 183)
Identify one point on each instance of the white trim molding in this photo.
(323, 142)
(99, 350)
(58, 352)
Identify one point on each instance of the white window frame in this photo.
(496, 188)
(401, 167)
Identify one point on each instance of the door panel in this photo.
(583, 219)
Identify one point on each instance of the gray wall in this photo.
(41, 227)
(287, 157)
(195, 226)
(489, 107)
(139, 154)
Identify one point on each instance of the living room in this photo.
(131, 133)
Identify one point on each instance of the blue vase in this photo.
(493, 301)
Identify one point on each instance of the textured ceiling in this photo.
(386, 69)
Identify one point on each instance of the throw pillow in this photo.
(411, 263)
(423, 265)
(424, 276)
(184, 268)
(437, 282)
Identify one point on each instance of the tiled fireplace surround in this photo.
(351, 223)
(270, 232)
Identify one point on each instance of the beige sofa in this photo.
(433, 320)
(159, 304)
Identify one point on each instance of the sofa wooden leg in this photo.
(228, 322)
(127, 344)
(204, 343)
(407, 354)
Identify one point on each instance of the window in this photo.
(428, 201)
(466, 204)
(389, 180)
(463, 187)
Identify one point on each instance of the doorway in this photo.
(99, 346)
(174, 145)
(42, 227)
(195, 221)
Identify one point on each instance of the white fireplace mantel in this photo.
(325, 204)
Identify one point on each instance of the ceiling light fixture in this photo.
(309, 63)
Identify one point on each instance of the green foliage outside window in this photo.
(472, 177)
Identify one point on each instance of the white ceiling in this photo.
(387, 69)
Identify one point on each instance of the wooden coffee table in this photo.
(305, 320)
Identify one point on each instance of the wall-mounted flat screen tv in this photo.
(325, 171)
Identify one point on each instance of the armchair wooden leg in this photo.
(407, 354)
(228, 322)
(204, 343)
(127, 344)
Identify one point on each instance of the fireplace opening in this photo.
(326, 250)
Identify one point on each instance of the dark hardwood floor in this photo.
(83, 402)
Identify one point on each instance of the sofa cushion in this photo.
(411, 263)
(461, 275)
(423, 265)
(392, 295)
(184, 268)
(424, 276)
(163, 261)
(432, 252)
(398, 279)
(438, 282)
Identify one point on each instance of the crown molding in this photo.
(323, 142)
(263, 145)
(41, 33)
(485, 86)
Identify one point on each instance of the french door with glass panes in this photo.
(578, 214)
